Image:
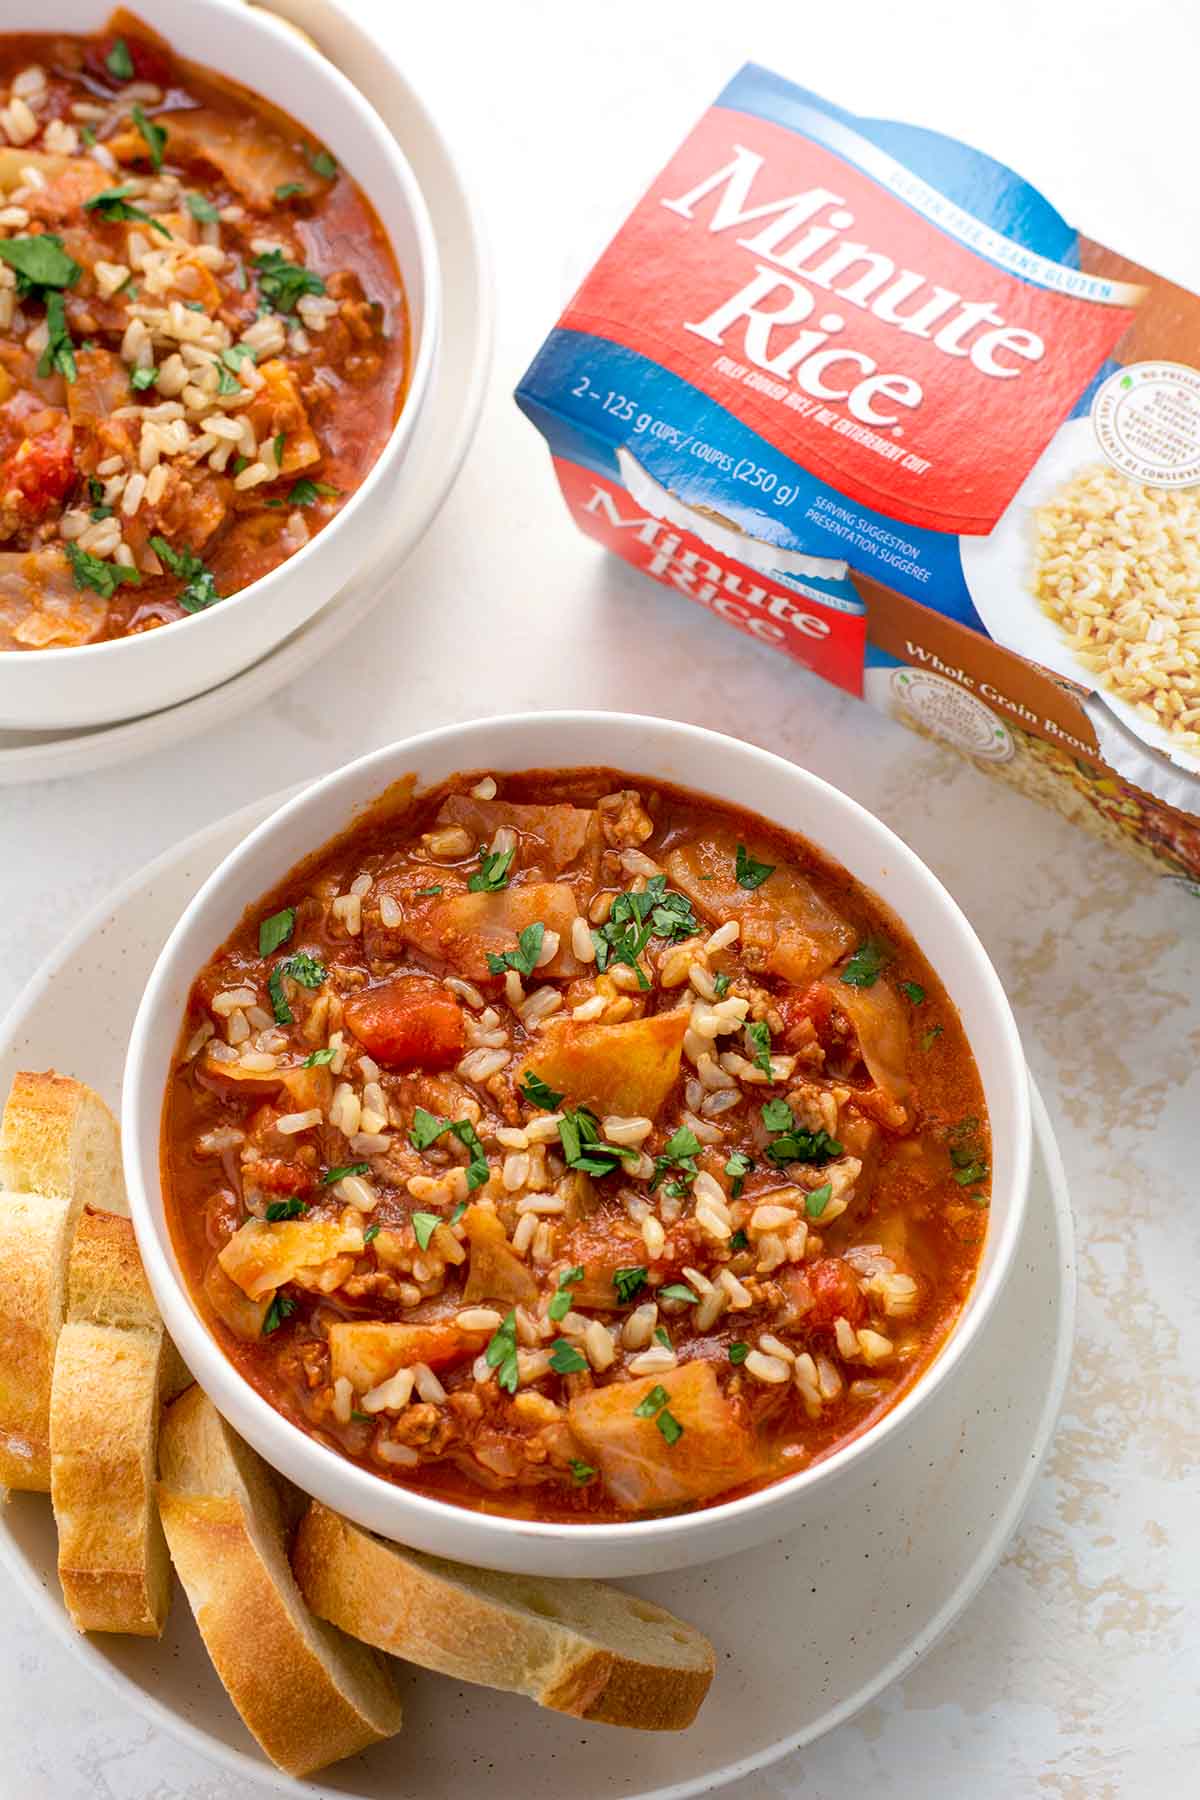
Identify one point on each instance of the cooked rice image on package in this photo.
(1117, 567)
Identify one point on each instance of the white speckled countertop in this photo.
(1074, 1675)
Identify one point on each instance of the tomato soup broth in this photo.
(575, 1147)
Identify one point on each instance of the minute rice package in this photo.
(859, 390)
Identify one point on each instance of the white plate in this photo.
(997, 570)
(807, 1629)
(436, 455)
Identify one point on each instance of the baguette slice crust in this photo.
(104, 1411)
(114, 1369)
(35, 1244)
(58, 1138)
(577, 1647)
(308, 1694)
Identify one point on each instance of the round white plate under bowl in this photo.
(439, 444)
(807, 1629)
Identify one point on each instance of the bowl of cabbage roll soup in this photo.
(218, 305)
(569, 1142)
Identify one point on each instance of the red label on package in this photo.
(829, 640)
(883, 354)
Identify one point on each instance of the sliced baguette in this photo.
(114, 1368)
(58, 1138)
(308, 1694)
(575, 1646)
(35, 1245)
(59, 1148)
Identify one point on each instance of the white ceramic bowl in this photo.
(657, 749)
(102, 683)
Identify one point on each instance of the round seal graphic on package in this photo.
(947, 710)
(1147, 422)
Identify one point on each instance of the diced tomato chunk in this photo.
(41, 470)
(835, 1292)
(279, 1175)
(814, 1004)
(408, 1022)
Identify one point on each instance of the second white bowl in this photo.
(99, 684)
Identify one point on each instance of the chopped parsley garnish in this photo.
(155, 136)
(199, 585)
(281, 283)
(96, 495)
(867, 964)
(759, 1034)
(524, 958)
(565, 1359)
(539, 1092)
(227, 383)
(371, 1232)
(332, 1175)
(276, 930)
(240, 463)
(457, 1214)
(581, 1472)
(285, 1209)
(777, 1116)
(307, 493)
(967, 1153)
(40, 262)
(305, 969)
(322, 164)
(60, 351)
(236, 354)
(929, 1038)
(818, 1200)
(427, 1129)
(582, 1148)
(655, 1400)
(662, 1336)
(560, 1304)
(113, 206)
(721, 984)
(88, 136)
(739, 1241)
(627, 1282)
(118, 62)
(279, 1001)
(678, 1291)
(635, 918)
(286, 189)
(278, 448)
(141, 379)
(912, 990)
(201, 209)
(423, 893)
(362, 1417)
(282, 1307)
(669, 1426)
(803, 1147)
(302, 968)
(738, 1352)
(104, 578)
(679, 1152)
(319, 1058)
(501, 1354)
(750, 874)
(492, 873)
(738, 1167)
(424, 1225)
